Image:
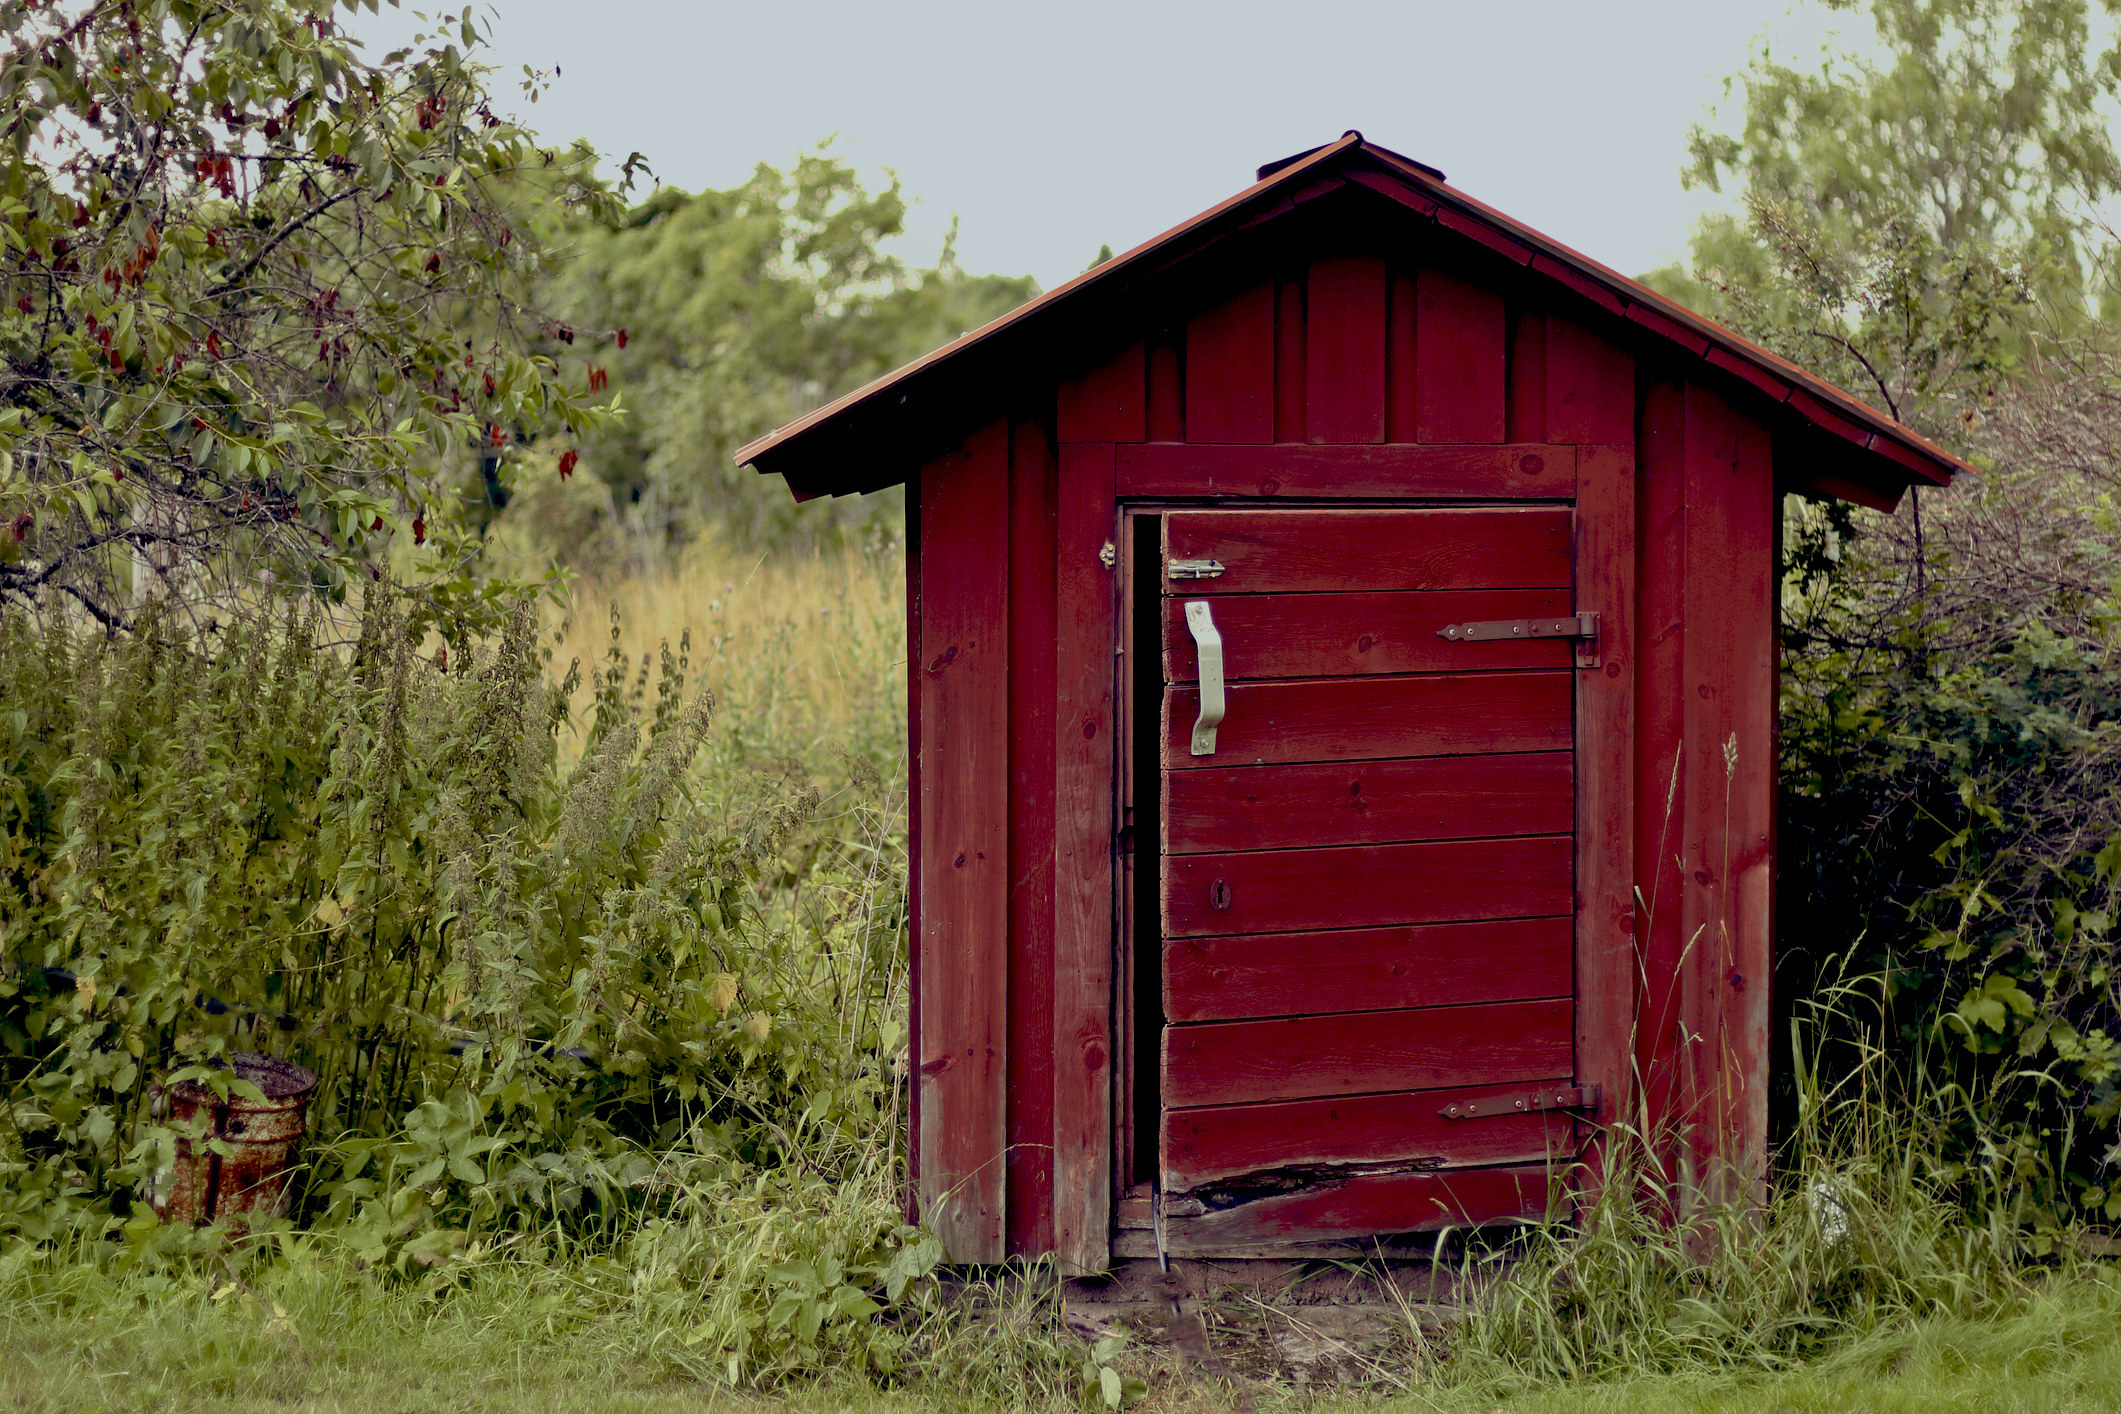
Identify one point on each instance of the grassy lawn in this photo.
(2062, 1352)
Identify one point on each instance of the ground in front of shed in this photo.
(1346, 1321)
(404, 1354)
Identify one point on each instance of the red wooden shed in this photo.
(1343, 722)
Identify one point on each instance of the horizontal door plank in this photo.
(1279, 552)
(1327, 635)
(1367, 1205)
(1367, 886)
(1300, 1057)
(1367, 969)
(1226, 1142)
(1358, 719)
(1368, 802)
(1385, 471)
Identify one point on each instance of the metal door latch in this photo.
(1574, 626)
(1582, 1097)
(1194, 569)
(1208, 643)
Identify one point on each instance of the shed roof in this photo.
(875, 436)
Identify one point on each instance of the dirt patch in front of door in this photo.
(1229, 1330)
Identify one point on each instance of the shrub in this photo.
(516, 985)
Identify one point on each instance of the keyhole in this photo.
(1219, 895)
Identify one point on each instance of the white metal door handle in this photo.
(1209, 645)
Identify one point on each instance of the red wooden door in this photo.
(1367, 922)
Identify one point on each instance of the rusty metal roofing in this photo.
(872, 410)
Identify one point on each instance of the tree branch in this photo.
(279, 236)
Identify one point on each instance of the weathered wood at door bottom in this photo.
(1363, 1205)
(1241, 1144)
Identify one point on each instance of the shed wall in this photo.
(1352, 375)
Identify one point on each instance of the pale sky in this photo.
(1048, 130)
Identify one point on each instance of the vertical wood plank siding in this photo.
(1107, 404)
(1660, 805)
(1033, 511)
(1083, 828)
(1344, 351)
(1527, 417)
(1167, 387)
(1459, 360)
(1728, 745)
(914, 854)
(1402, 405)
(1230, 370)
(1605, 805)
(1590, 388)
(964, 810)
(1289, 360)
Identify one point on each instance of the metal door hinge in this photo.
(1582, 1097)
(1194, 569)
(1573, 626)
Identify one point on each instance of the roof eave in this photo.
(1857, 427)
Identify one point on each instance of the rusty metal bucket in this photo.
(251, 1180)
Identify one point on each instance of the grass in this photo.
(805, 652)
(328, 1340)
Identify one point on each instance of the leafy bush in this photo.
(523, 990)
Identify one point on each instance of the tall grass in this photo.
(805, 651)
(1865, 1235)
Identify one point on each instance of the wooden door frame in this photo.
(1603, 582)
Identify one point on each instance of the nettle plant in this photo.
(258, 295)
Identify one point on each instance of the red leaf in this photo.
(489, 384)
(213, 342)
(419, 528)
(567, 460)
(622, 338)
(434, 262)
(375, 525)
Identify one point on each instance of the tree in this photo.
(259, 293)
(1985, 125)
(1905, 221)
(725, 314)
